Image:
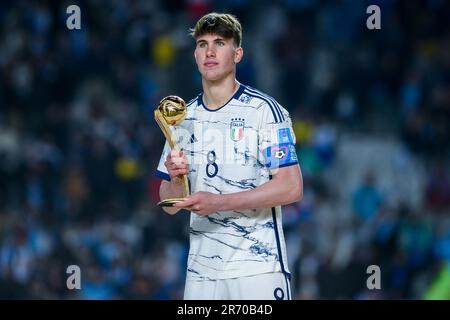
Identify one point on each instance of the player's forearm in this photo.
(270, 194)
(170, 189)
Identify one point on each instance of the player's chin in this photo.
(212, 75)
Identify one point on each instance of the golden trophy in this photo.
(171, 112)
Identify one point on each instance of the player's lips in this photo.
(210, 64)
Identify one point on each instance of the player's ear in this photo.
(195, 56)
(239, 52)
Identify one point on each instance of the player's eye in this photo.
(202, 45)
(220, 43)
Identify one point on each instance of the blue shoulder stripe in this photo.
(274, 113)
(275, 104)
(192, 101)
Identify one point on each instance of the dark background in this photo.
(79, 146)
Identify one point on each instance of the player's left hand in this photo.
(201, 203)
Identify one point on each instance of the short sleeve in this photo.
(276, 137)
(161, 172)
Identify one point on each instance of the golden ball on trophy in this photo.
(173, 109)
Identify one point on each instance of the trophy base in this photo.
(170, 202)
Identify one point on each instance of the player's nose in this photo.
(210, 52)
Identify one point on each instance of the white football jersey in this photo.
(231, 149)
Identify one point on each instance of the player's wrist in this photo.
(223, 202)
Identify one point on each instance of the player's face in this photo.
(216, 57)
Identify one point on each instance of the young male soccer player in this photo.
(239, 154)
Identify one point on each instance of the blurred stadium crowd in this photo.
(79, 146)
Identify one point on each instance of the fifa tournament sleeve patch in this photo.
(284, 136)
(281, 155)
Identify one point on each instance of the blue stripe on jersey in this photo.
(162, 175)
(274, 103)
(192, 101)
(275, 118)
(288, 289)
(277, 238)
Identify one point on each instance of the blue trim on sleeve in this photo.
(280, 155)
(287, 165)
(162, 175)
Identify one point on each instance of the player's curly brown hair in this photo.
(223, 24)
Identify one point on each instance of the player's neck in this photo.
(216, 94)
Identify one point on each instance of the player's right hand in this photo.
(176, 163)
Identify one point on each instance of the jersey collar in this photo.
(235, 96)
